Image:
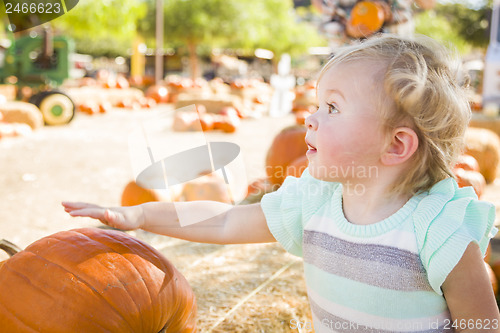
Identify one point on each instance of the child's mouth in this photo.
(311, 149)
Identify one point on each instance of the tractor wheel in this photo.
(56, 107)
(36, 98)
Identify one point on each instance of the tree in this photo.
(102, 27)
(235, 23)
(463, 26)
(278, 28)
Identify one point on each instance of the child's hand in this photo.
(125, 218)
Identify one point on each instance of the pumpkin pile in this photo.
(93, 107)
(181, 85)
(250, 97)
(209, 186)
(226, 120)
(93, 280)
(100, 95)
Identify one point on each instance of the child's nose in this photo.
(311, 122)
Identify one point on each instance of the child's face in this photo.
(345, 135)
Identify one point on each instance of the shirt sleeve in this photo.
(446, 222)
(292, 205)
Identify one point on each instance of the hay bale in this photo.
(22, 112)
(9, 91)
(99, 95)
(484, 145)
(482, 121)
(213, 103)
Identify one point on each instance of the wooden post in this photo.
(159, 42)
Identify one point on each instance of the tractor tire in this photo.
(57, 108)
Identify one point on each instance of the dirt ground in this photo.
(240, 288)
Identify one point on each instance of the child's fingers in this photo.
(95, 213)
(78, 205)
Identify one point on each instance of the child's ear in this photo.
(403, 144)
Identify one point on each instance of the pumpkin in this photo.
(122, 82)
(89, 107)
(208, 187)
(257, 189)
(158, 93)
(286, 147)
(484, 145)
(207, 121)
(366, 18)
(105, 107)
(297, 167)
(228, 124)
(93, 280)
(470, 178)
(133, 195)
(467, 162)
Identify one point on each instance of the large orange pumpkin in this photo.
(297, 167)
(286, 147)
(93, 280)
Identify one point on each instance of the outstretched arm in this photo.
(229, 224)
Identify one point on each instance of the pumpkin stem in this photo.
(9, 247)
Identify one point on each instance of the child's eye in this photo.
(332, 108)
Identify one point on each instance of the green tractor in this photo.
(41, 62)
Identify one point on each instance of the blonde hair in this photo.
(424, 89)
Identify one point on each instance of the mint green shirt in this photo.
(382, 277)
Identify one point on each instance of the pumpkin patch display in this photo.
(286, 147)
(93, 280)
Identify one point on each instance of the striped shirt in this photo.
(382, 277)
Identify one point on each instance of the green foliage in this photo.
(242, 24)
(438, 27)
(458, 24)
(279, 30)
(469, 23)
(102, 27)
